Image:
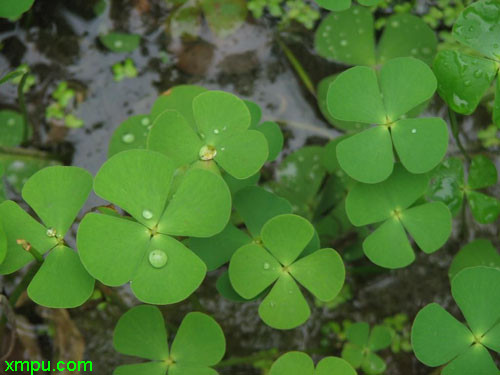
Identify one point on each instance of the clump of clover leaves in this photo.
(440, 339)
(56, 195)
(60, 108)
(363, 343)
(163, 204)
(479, 252)
(124, 69)
(223, 17)
(286, 11)
(120, 42)
(13, 9)
(349, 38)
(463, 77)
(298, 363)
(391, 202)
(360, 95)
(448, 185)
(198, 344)
(221, 135)
(254, 268)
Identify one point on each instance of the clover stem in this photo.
(23, 284)
(456, 132)
(30, 249)
(298, 68)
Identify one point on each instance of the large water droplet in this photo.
(158, 258)
(128, 138)
(146, 214)
(207, 152)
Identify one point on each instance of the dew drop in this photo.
(216, 131)
(118, 43)
(222, 148)
(413, 131)
(128, 138)
(426, 51)
(158, 258)
(395, 24)
(11, 121)
(267, 266)
(146, 214)
(145, 121)
(478, 73)
(414, 51)
(343, 42)
(51, 232)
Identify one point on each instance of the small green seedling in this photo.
(254, 268)
(194, 203)
(439, 339)
(362, 345)
(464, 78)
(59, 109)
(120, 42)
(298, 363)
(479, 252)
(56, 194)
(198, 344)
(286, 11)
(18, 75)
(13, 9)
(125, 69)
(489, 137)
(221, 136)
(349, 38)
(448, 185)
(392, 202)
(361, 95)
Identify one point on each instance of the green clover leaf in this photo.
(255, 206)
(362, 345)
(404, 35)
(448, 186)
(178, 98)
(464, 78)
(359, 95)
(479, 252)
(198, 344)
(391, 202)
(221, 135)
(195, 203)
(254, 268)
(56, 194)
(439, 339)
(131, 134)
(13, 9)
(12, 129)
(120, 42)
(298, 363)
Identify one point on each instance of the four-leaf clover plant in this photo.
(438, 338)
(163, 205)
(275, 265)
(56, 195)
(392, 203)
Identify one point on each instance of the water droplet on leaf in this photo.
(146, 214)
(207, 152)
(51, 232)
(128, 138)
(267, 266)
(158, 258)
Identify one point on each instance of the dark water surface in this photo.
(58, 39)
